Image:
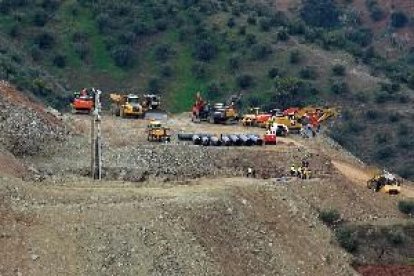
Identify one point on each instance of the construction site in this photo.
(207, 192)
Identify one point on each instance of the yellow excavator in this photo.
(384, 182)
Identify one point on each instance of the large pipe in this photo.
(196, 139)
(215, 141)
(235, 140)
(256, 139)
(205, 140)
(245, 139)
(226, 140)
(185, 136)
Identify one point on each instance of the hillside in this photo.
(180, 209)
(352, 54)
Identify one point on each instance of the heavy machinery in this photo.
(219, 113)
(132, 105)
(255, 117)
(126, 105)
(385, 182)
(151, 101)
(83, 101)
(157, 132)
(269, 138)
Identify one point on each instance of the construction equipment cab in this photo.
(126, 105)
(151, 101)
(385, 182)
(157, 132)
(83, 101)
(270, 137)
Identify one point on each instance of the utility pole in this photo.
(96, 141)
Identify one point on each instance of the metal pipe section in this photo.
(235, 140)
(196, 139)
(245, 139)
(185, 136)
(256, 139)
(205, 140)
(226, 140)
(215, 141)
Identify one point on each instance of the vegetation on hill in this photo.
(322, 52)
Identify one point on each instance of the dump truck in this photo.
(126, 105)
(83, 102)
(157, 132)
(385, 182)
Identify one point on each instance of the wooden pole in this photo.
(93, 146)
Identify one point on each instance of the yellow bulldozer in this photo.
(384, 182)
(157, 132)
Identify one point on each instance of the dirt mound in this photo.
(25, 127)
(386, 270)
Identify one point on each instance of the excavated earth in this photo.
(180, 209)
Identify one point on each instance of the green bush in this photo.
(154, 85)
(166, 71)
(245, 81)
(234, 63)
(123, 56)
(82, 49)
(405, 143)
(396, 237)
(347, 239)
(251, 19)
(40, 18)
(375, 10)
(406, 207)
(231, 22)
(320, 13)
(398, 19)
(395, 117)
(308, 73)
(45, 40)
(384, 153)
(329, 217)
(339, 87)
(250, 39)
(205, 50)
(260, 51)
(382, 138)
(163, 52)
(372, 115)
(273, 72)
(59, 61)
(282, 35)
(265, 24)
(199, 70)
(338, 70)
(294, 56)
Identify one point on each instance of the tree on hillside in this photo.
(320, 13)
(289, 91)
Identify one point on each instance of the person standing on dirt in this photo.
(293, 171)
(299, 173)
(250, 172)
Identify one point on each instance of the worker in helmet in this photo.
(293, 171)
(299, 172)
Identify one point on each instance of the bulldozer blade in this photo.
(156, 115)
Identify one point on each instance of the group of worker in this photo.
(302, 172)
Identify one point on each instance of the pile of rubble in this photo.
(25, 128)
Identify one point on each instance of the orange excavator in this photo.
(83, 101)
